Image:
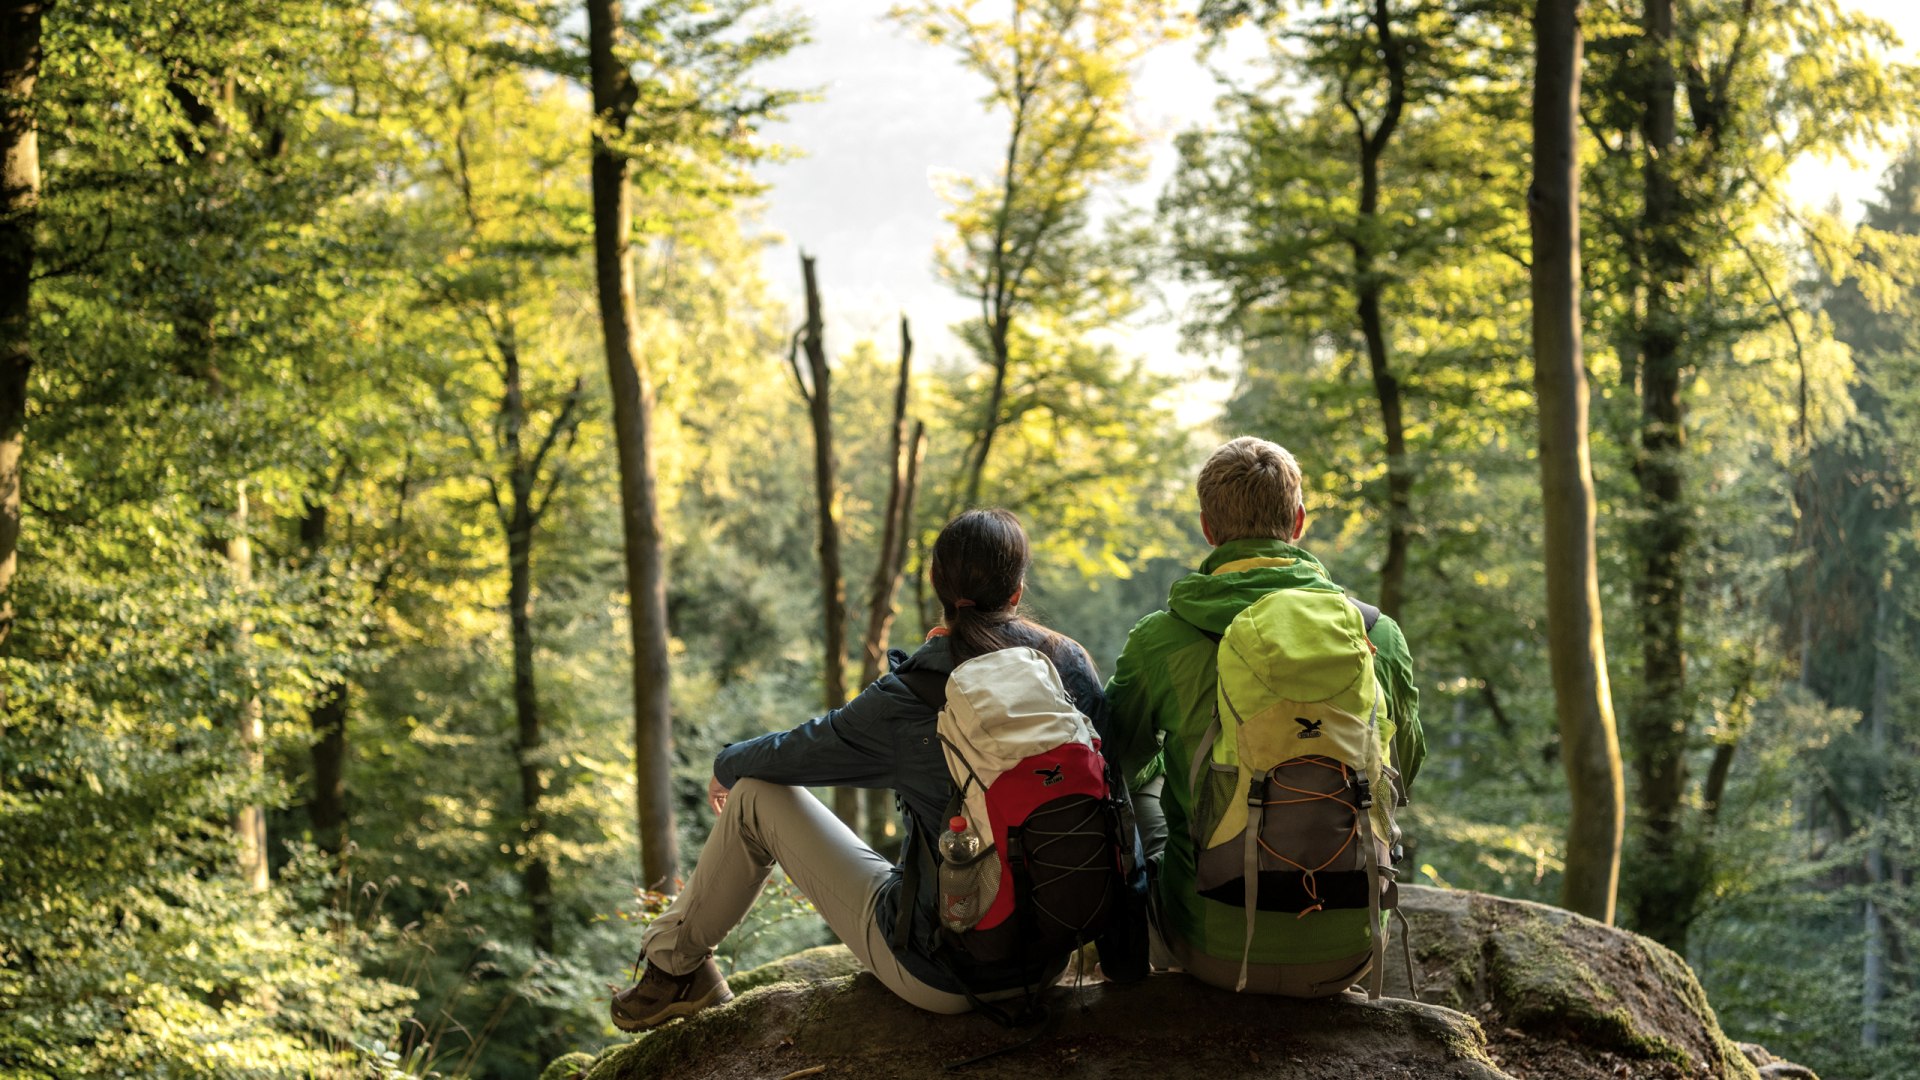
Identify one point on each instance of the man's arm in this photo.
(1394, 665)
(1134, 746)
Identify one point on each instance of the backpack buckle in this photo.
(1257, 791)
(1366, 792)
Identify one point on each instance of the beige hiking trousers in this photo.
(764, 824)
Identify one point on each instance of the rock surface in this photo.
(1561, 995)
(1508, 990)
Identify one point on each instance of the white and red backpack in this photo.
(1029, 778)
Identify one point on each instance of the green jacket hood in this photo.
(1209, 599)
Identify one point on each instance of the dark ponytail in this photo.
(979, 563)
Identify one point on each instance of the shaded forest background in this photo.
(323, 750)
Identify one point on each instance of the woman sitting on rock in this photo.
(884, 738)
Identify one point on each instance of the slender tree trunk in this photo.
(999, 291)
(19, 210)
(1386, 387)
(250, 821)
(904, 456)
(327, 812)
(199, 352)
(882, 817)
(886, 570)
(327, 807)
(614, 95)
(1667, 879)
(1583, 702)
(536, 873)
(998, 329)
(536, 870)
(1873, 973)
(817, 390)
(1369, 288)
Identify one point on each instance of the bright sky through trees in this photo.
(896, 114)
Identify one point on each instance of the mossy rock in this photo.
(1168, 1027)
(810, 965)
(1545, 980)
(571, 1067)
(1509, 991)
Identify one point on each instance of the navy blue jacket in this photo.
(884, 738)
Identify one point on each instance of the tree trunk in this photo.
(999, 292)
(1667, 878)
(536, 874)
(614, 94)
(1583, 703)
(1386, 387)
(904, 457)
(250, 821)
(327, 813)
(19, 210)
(889, 563)
(1369, 288)
(882, 816)
(998, 329)
(327, 807)
(817, 390)
(1873, 973)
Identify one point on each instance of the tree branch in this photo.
(1802, 433)
(793, 365)
(568, 422)
(479, 456)
(395, 530)
(562, 424)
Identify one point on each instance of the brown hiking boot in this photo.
(659, 997)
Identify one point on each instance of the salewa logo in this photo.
(1309, 729)
(1049, 777)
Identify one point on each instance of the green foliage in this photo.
(1841, 747)
(123, 953)
(289, 247)
(1796, 467)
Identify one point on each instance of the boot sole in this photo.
(719, 995)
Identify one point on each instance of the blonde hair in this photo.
(1250, 488)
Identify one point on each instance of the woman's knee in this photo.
(748, 792)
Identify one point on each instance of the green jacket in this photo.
(1160, 702)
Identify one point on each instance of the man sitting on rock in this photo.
(1306, 935)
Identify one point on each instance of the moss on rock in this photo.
(1538, 974)
(570, 1067)
(810, 965)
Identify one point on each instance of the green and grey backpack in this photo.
(1293, 782)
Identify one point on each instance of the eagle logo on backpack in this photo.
(1278, 827)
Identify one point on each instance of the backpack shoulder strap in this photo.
(929, 686)
(1368, 612)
